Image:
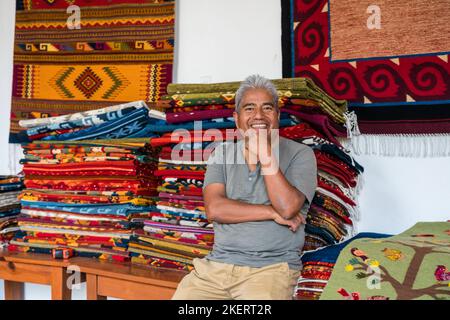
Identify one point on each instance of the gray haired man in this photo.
(258, 206)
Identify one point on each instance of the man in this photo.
(257, 205)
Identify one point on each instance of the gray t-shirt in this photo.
(259, 243)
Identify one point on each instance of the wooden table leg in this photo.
(60, 289)
(92, 288)
(14, 290)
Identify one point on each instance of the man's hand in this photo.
(259, 146)
(293, 223)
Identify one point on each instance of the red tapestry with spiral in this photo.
(389, 60)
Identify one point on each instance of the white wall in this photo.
(398, 192)
(226, 40)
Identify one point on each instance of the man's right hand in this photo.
(293, 223)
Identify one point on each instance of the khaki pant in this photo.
(222, 281)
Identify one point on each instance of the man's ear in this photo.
(236, 117)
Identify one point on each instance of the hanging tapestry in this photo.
(78, 55)
(385, 59)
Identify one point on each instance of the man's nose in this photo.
(258, 113)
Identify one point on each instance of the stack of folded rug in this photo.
(308, 116)
(87, 195)
(178, 230)
(334, 210)
(198, 112)
(10, 187)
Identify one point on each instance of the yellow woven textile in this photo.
(93, 54)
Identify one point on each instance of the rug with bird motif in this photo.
(412, 265)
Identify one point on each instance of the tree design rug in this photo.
(412, 265)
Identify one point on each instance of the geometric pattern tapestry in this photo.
(383, 57)
(79, 55)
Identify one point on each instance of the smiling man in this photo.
(257, 193)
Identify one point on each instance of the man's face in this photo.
(257, 112)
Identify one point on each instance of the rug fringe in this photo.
(351, 123)
(359, 184)
(399, 145)
(352, 230)
(14, 167)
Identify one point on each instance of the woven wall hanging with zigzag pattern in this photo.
(121, 52)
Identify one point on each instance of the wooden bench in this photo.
(127, 280)
(19, 268)
(103, 278)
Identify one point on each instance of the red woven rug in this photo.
(403, 64)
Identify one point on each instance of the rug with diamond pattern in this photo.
(79, 55)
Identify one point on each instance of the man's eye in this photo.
(267, 108)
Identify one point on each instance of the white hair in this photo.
(256, 82)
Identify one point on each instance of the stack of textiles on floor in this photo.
(87, 195)
(178, 230)
(318, 266)
(10, 188)
(308, 116)
(197, 108)
(334, 211)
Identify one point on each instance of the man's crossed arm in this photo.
(285, 199)
(223, 210)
